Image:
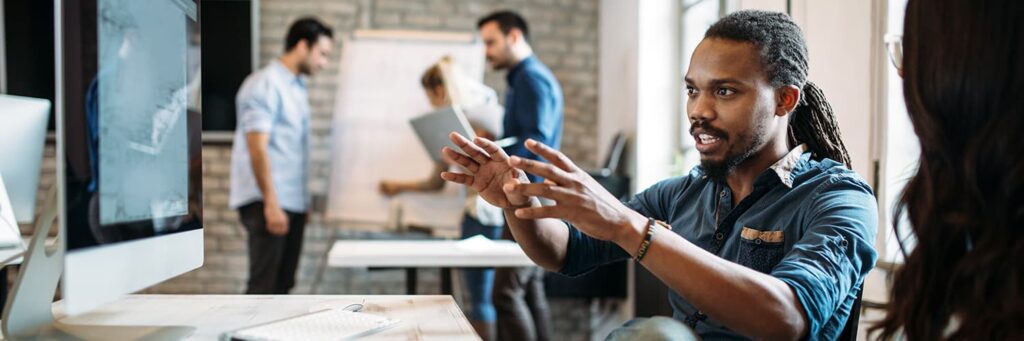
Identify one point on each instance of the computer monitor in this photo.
(23, 122)
(130, 166)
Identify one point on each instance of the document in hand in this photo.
(433, 129)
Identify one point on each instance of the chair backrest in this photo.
(611, 162)
(853, 322)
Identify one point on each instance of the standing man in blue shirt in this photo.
(533, 110)
(769, 238)
(270, 157)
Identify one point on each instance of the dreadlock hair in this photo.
(784, 56)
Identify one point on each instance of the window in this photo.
(901, 151)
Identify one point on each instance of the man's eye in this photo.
(691, 91)
(725, 92)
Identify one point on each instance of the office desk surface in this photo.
(423, 317)
(425, 254)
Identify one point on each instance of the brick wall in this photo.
(564, 36)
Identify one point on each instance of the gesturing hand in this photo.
(579, 199)
(488, 169)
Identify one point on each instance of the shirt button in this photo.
(757, 241)
(719, 236)
(721, 194)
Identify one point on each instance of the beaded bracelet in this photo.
(651, 224)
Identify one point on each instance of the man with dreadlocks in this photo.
(769, 238)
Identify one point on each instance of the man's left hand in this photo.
(579, 199)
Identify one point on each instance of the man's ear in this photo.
(514, 36)
(303, 47)
(786, 99)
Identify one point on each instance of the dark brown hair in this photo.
(507, 20)
(963, 81)
(309, 29)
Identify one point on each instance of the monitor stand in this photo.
(28, 312)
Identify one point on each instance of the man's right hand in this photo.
(488, 171)
(277, 220)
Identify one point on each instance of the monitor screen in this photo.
(132, 151)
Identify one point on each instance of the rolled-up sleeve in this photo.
(835, 253)
(584, 253)
(256, 103)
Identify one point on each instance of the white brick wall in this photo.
(564, 36)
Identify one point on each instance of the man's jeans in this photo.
(656, 328)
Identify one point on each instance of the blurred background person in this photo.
(446, 86)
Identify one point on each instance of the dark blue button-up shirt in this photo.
(813, 227)
(533, 108)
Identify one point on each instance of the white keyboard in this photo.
(331, 324)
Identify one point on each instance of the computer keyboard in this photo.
(330, 324)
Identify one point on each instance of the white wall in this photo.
(768, 5)
(659, 90)
(843, 51)
(641, 84)
(617, 100)
(844, 48)
(640, 91)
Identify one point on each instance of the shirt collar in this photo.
(784, 167)
(286, 74)
(515, 70)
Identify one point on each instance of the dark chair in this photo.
(608, 280)
(611, 161)
(609, 175)
(850, 331)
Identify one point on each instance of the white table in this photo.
(423, 317)
(414, 254)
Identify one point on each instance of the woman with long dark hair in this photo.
(963, 72)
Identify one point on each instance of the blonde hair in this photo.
(476, 100)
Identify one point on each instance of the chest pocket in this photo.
(761, 250)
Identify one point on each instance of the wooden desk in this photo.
(423, 317)
(414, 254)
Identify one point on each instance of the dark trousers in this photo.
(521, 304)
(272, 259)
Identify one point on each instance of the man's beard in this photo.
(719, 170)
(503, 62)
(305, 69)
(499, 65)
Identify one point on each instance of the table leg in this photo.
(410, 281)
(446, 281)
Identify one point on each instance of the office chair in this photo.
(853, 322)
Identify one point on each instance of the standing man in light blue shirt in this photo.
(270, 158)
